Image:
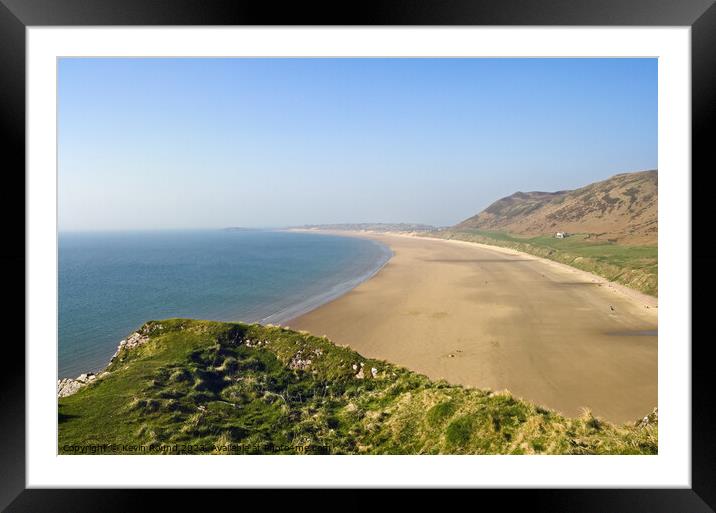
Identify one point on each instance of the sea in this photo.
(111, 283)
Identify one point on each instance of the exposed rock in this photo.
(374, 371)
(68, 386)
(255, 343)
(299, 362)
(360, 374)
(135, 339)
(86, 377)
(652, 418)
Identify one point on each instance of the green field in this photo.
(211, 387)
(633, 266)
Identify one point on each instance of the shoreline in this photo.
(278, 317)
(482, 344)
(302, 308)
(548, 332)
(646, 299)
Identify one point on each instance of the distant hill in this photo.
(622, 208)
(373, 227)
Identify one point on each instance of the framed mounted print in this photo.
(436, 245)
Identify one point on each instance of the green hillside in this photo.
(211, 387)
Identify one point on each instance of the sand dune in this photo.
(493, 318)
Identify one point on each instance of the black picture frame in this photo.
(17, 15)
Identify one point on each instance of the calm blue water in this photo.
(111, 283)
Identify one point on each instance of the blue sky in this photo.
(202, 143)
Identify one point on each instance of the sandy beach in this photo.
(495, 318)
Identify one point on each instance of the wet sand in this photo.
(494, 318)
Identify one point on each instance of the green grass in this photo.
(633, 266)
(201, 387)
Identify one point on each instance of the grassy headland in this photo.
(632, 266)
(211, 387)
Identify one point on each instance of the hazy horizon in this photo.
(150, 144)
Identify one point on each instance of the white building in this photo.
(559, 235)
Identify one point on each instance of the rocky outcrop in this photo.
(652, 418)
(298, 362)
(135, 339)
(361, 374)
(254, 343)
(302, 360)
(68, 386)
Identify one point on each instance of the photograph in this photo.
(357, 256)
(424, 246)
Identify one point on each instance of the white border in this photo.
(670, 468)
